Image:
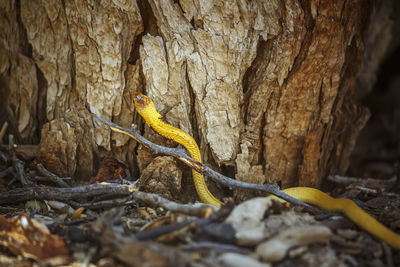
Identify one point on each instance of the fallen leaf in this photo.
(110, 168)
(24, 236)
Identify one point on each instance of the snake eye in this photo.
(141, 100)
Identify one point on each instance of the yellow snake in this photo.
(145, 107)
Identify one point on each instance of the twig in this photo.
(367, 182)
(26, 152)
(162, 230)
(6, 172)
(78, 221)
(109, 203)
(54, 178)
(167, 229)
(71, 194)
(181, 154)
(17, 164)
(3, 131)
(371, 191)
(3, 157)
(215, 246)
(388, 254)
(63, 194)
(198, 209)
(19, 169)
(37, 178)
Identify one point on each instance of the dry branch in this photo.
(54, 178)
(6, 172)
(18, 165)
(198, 209)
(167, 229)
(63, 194)
(181, 154)
(367, 182)
(201, 245)
(3, 131)
(120, 194)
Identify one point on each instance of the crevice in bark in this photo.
(178, 4)
(342, 135)
(24, 46)
(386, 72)
(252, 75)
(41, 103)
(262, 159)
(192, 112)
(5, 110)
(149, 27)
(305, 44)
(252, 68)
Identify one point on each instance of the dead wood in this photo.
(53, 178)
(181, 154)
(63, 194)
(367, 182)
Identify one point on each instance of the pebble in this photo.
(238, 260)
(275, 249)
(247, 220)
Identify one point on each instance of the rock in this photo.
(247, 220)
(238, 260)
(162, 176)
(275, 249)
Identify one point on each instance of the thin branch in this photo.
(367, 182)
(3, 131)
(78, 221)
(167, 229)
(54, 178)
(17, 164)
(3, 157)
(181, 154)
(20, 172)
(197, 209)
(109, 203)
(6, 172)
(129, 196)
(371, 191)
(221, 247)
(63, 194)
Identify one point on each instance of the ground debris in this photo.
(24, 236)
(276, 248)
(112, 223)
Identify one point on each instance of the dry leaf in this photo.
(24, 236)
(110, 168)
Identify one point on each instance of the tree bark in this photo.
(265, 87)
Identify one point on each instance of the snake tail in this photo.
(349, 208)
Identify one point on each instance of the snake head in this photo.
(145, 107)
(141, 101)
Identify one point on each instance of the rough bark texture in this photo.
(265, 87)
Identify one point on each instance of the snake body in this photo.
(145, 107)
(147, 110)
(349, 208)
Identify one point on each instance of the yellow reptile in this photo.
(145, 107)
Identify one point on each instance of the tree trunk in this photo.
(265, 87)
